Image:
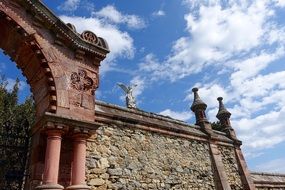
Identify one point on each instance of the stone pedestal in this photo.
(78, 187)
(50, 187)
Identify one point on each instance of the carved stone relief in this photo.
(81, 82)
(84, 83)
(89, 37)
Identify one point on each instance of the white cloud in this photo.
(243, 40)
(111, 14)
(241, 79)
(263, 131)
(69, 5)
(140, 85)
(120, 42)
(275, 166)
(158, 13)
(184, 116)
(280, 3)
(217, 34)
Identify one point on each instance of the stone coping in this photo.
(264, 179)
(144, 113)
(52, 22)
(268, 174)
(114, 114)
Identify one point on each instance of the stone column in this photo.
(244, 172)
(79, 159)
(52, 158)
(220, 173)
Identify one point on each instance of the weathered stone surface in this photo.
(231, 167)
(97, 182)
(268, 181)
(137, 159)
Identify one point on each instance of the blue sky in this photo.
(229, 48)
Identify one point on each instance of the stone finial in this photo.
(223, 113)
(224, 116)
(197, 102)
(198, 107)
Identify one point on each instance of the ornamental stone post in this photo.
(79, 138)
(224, 117)
(52, 157)
(199, 108)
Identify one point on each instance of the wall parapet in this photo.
(263, 180)
(109, 113)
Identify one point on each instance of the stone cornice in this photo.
(48, 19)
(66, 121)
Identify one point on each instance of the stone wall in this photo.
(268, 181)
(133, 149)
(124, 158)
(231, 167)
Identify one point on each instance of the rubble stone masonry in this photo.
(123, 158)
(231, 167)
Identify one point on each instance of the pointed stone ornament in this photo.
(223, 113)
(198, 107)
(197, 102)
(224, 117)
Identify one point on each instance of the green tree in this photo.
(217, 126)
(15, 122)
(10, 109)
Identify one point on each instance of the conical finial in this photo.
(197, 102)
(199, 107)
(223, 113)
(224, 116)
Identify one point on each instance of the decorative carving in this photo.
(80, 81)
(89, 37)
(72, 27)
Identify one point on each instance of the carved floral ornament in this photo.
(89, 37)
(80, 81)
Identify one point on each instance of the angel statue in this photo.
(130, 99)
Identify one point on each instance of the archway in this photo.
(61, 67)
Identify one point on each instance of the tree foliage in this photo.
(10, 109)
(15, 122)
(217, 126)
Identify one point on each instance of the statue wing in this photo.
(124, 87)
(134, 85)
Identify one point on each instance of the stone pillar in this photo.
(52, 158)
(220, 173)
(244, 172)
(79, 159)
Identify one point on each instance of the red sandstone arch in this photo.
(50, 53)
(24, 49)
(62, 68)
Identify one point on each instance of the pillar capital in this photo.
(81, 133)
(52, 128)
